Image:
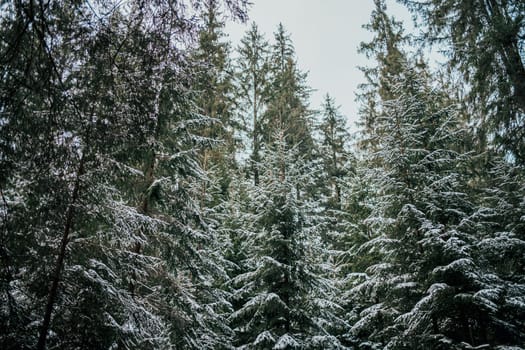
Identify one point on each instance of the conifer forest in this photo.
(162, 187)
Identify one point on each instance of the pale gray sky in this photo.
(326, 34)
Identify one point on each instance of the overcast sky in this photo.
(326, 34)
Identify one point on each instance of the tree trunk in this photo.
(53, 291)
(255, 155)
(508, 49)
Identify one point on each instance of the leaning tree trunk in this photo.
(53, 291)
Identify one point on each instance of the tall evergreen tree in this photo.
(214, 82)
(386, 48)
(278, 311)
(287, 107)
(252, 80)
(428, 287)
(334, 150)
(485, 41)
(96, 130)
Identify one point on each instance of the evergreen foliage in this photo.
(158, 192)
(214, 98)
(287, 102)
(334, 152)
(100, 226)
(278, 288)
(485, 42)
(386, 48)
(419, 278)
(253, 70)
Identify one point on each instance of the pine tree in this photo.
(429, 287)
(214, 82)
(252, 76)
(386, 48)
(73, 127)
(334, 150)
(99, 151)
(287, 107)
(280, 310)
(484, 40)
(393, 283)
(498, 224)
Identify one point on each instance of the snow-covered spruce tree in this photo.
(336, 171)
(336, 158)
(334, 165)
(287, 107)
(386, 48)
(422, 289)
(215, 96)
(353, 230)
(235, 225)
(251, 74)
(59, 141)
(281, 309)
(484, 42)
(94, 256)
(498, 224)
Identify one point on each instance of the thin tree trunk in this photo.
(335, 168)
(53, 291)
(509, 52)
(516, 72)
(255, 155)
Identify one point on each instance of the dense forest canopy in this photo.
(164, 188)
